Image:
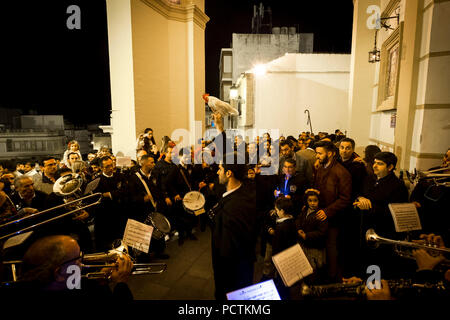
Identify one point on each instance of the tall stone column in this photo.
(161, 88)
(362, 74)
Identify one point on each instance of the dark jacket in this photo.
(136, 193)
(39, 201)
(285, 236)
(234, 233)
(359, 175)
(315, 230)
(167, 174)
(386, 190)
(295, 187)
(335, 186)
(303, 167)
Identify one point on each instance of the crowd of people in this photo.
(261, 197)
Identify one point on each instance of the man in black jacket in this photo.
(234, 230)
(387, 189)
(110, 219)
(26, 196)
(352, 234)
(292, 185)
(143, 202)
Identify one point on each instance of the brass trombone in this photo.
(68, 187)
(108, 259)
(100, 261)
(43, 212)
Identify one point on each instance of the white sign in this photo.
(138, 235)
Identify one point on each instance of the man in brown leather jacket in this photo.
(334, 183)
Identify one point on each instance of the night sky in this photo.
(48, 68)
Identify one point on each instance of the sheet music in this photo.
(261, 291)
(292, 265)
(138, 235)
(16, 240)
(91, 186)
(405, 217)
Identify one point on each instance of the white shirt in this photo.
(280, 220)
(148, 176)
(231, 191)
(108, 176)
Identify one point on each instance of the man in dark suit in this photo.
(302, 166)
(26, 196)
(377, 197)
(234, 229)
(110, 219)
(142, 203)
(292, 185)
(234, 232)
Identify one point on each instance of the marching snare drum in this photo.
(194, 203)
(160, 224)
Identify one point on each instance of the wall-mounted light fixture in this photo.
(374, 55)
(233, 92)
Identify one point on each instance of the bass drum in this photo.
(194, 203)
(160, 224)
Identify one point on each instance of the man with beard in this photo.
(335, 186)
(234, 228)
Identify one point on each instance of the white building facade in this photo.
(278, 98)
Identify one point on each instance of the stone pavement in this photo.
(188, 276)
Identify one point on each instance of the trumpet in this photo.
(108, 259)
(401, 247)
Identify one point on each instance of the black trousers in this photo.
(181, 220)
(231, 274)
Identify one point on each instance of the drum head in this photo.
(194, 201)
(160, 222)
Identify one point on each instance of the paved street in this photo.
(188, 276)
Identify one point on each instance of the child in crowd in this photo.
(284, 236)
(312, 231)
(72, 147)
